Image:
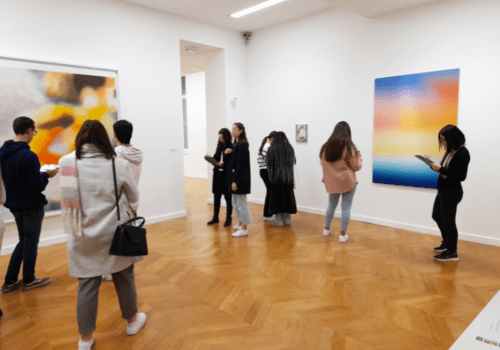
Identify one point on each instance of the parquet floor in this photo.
(280, 288)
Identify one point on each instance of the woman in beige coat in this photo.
(90, 218)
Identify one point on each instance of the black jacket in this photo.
(219, 182)
(22, 178)
(239, 169)
(456, 171)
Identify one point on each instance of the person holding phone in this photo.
(24, 186)
(219, 181)
(452, 171)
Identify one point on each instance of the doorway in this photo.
(204, 113)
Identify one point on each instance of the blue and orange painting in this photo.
(409, 112)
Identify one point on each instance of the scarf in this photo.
(70, 196)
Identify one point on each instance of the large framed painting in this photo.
(59, 98)
(409, 112)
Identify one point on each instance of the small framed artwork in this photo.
(301, 133)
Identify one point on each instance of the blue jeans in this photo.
(29, 227)
(346, 208)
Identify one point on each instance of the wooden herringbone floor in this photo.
(280, 288)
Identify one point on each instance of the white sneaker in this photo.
(86, 346)
(343, 239)
(271, 218)
(107, 277)
(326, 233)
(236, 227)
(240, 233)
(134, 327)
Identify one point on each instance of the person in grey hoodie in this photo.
(122, 134)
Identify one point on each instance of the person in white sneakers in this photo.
(89, 215)
(340, 160)
(123, 134)
(239, 180)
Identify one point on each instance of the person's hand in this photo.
(234, 187)
(229, 150)
(436, 167)
(52, 173)
(221, 164)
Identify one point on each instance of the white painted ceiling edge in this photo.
(217, 12)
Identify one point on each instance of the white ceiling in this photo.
(217, 11)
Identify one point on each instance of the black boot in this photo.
(228, 221)
(215, 220)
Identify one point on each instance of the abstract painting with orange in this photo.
(409, 112)
(59, 103)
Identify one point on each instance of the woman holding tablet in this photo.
(219, 182)
(452, 171)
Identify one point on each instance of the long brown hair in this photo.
(226, 134)
(271, 135)
(93, 132)
(339, 143)
(243, 135)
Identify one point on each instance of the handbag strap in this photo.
(135, 219)
(116, 190)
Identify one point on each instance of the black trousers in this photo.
(229, 204)
(444, 213)
(267, 208)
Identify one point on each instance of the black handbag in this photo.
(129, 240)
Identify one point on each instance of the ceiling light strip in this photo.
(255, 8)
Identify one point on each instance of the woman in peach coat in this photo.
(340, 160)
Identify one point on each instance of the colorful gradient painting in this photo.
(409, 112)
(59, 99)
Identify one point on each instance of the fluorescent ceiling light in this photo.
(255, 8)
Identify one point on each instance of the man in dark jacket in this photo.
(24, 184)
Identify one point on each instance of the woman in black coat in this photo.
(452, 171)
(239, 180)
(219, 182)
(280, 162)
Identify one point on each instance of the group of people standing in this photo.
(89, 214)
(89, 205)
(340, 160)
(232, 178)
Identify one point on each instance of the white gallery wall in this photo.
(143, 46)
(317, 70)
(196, 101)
(320, 70)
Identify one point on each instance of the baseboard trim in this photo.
(45, 242)
(464, 236)
(166, 217)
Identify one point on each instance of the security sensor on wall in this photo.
(234, 100)
(247, 36)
